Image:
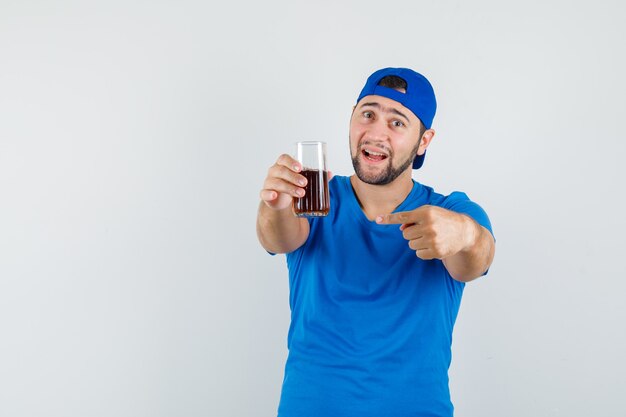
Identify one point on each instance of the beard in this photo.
(389, 173)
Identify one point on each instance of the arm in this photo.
(278, 230)
(477, 254)
(465, 248)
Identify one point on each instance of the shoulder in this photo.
(339, 184)
(339, 179)
(459, 202)
(434, 198)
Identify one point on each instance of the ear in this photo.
(427, 137)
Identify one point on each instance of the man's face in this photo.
(384, 139)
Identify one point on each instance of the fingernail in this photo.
(379, 219)
(296, 168)
(302, 182)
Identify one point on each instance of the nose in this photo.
(378, 131)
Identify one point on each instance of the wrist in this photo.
(471, 232)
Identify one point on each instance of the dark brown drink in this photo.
(316, 200)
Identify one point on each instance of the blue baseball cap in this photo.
(419, 96)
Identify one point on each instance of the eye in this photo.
(368, 114)
(397, 123)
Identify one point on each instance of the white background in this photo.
(134, 140)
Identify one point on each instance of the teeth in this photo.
(375, 153)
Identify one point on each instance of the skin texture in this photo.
(385, 137)
(279, 231)
(465, 247)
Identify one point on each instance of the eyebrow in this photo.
(390, 110)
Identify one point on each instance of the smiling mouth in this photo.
(373, 156)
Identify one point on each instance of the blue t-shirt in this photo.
(371, 323)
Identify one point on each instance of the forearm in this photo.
(279, 231)
(475, 258)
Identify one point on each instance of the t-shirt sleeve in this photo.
(460, 203)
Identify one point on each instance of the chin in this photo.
(382, 175)
(378, 178)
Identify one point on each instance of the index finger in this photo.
(401, 217)
(289, 162)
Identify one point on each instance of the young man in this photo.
(375, 286)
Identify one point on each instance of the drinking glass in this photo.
(316, 200)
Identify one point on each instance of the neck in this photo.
(382, 199)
